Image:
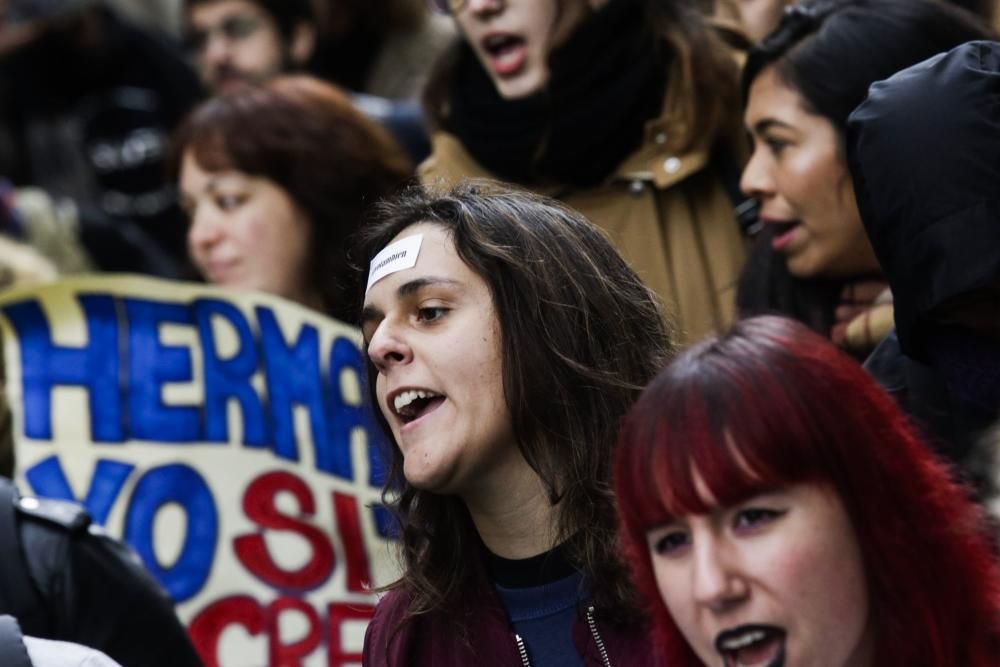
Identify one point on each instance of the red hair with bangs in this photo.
(771, 404)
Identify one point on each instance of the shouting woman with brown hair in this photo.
(507, 338)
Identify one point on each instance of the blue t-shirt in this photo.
(542, 596)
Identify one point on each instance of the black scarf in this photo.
(605, 82)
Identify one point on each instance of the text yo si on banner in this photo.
(226, 437)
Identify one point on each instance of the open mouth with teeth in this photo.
(507, 53)
(413, 404)
(752, 646)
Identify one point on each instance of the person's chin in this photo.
(431, 481)
(804, 265)
(523, 85)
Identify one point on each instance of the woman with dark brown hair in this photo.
(507, 338)
(626, 110)
(275, 178)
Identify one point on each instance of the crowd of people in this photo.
(682, 316)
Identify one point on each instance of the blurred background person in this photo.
(274, 179)
(384, 48)
(924, 151)
(234, 42)
(813, 261)
(778, 508)
(627, 110)
(87, 102)
(759, 17)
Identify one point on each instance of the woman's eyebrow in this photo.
(414, 286)
(766, 124)
(372, 313)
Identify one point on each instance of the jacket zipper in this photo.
(522, 650)
(597, 637)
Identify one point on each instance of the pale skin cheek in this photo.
(679, 602)
(804, 573)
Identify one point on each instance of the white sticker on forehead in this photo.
(394, 257)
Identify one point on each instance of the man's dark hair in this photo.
(286, 13)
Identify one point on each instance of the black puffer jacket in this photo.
(64, 579)
(924, 153)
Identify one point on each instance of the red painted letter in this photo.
(290, 655)
(259, 505)
(207, 626)
(358, 574)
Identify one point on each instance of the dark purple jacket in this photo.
(433, 640)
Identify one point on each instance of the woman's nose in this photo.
(216, 49)
(484, 6)
(756, 181)
(718, 582)
(204, 229)
(388, 348)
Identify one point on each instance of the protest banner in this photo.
(226, 437)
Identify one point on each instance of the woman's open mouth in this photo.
(752, 646)
(413, 404)
(506, 53)
(782, 233)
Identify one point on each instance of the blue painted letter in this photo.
(182, 485)
(94, 366)
(150, 366)
(227, 379)
(292, 379)
(335, 455)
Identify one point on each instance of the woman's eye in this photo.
(670, 543)
(776, 146)
(431, 313)
(754, 517)
(229, 202)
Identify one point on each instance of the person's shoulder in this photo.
(383, 629)
(391, 609)
(449, 162)
(59, 515)
(60, 541)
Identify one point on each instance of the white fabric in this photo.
(48, 653)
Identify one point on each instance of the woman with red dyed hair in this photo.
(785, 513)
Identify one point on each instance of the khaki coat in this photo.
(666, 211)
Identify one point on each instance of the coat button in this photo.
(636, 187)
(660, 138)
(671, 165)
